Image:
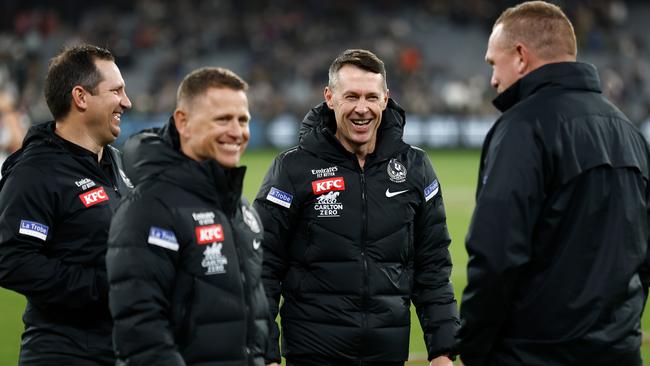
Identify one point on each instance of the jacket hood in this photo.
(318, 128)
(565, 75)
(37, 135)
(155, 154)
(150, 152)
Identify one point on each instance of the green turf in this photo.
(457, 173)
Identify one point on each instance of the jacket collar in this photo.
(562, 75)
(41, 139)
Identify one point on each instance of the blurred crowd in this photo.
(433, 49)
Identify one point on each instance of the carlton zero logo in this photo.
(209, 234)
(93, 197)
(328, 185)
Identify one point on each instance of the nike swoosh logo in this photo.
(256, 244)
(390, 194)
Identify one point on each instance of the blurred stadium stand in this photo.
(433, 49)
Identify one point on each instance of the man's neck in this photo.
(360, 151)
(76, 133)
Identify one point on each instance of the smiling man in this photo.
(355, 231)
(184, 258)
(57, 197)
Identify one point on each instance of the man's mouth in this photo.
(230, 146)
(117, 116)
(360, 122)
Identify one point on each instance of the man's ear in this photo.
(180, 121)
(80, 97)
(385, 101)
(328, 97)
(524, 58)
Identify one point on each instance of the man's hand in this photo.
(441, 361)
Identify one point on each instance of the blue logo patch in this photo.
(163, 238)
(34, 229)
(281, 198)
(431, 190)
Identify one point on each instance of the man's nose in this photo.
(361, 106)
(235, 129)
(125, 102)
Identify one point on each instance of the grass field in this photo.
(457, 173)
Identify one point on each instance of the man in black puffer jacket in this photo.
(558, 245)
(57, 197)
(185, 257)
(355, 230)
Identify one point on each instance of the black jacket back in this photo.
(184, 262)
(559, 239)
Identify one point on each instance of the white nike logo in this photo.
(256, 244)
(390, 194)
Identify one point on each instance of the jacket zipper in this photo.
(115, 171)
(186, 316)
(248, 317)
(364, 259)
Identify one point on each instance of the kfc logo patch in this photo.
(328, 185)
(209, 234)
(93, 197)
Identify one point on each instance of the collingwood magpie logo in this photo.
(250, 220)
(396, 171)
(126, 179)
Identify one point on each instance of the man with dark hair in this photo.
(57, 197)
(184, 258)
(558, 244)
(355, 230)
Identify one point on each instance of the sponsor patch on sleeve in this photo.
(431, 190)
(281, 198)
(33, 229)
(163, 238)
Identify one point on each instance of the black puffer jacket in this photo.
(558, 243)
(184, 262)
(349, 249)
(56, 203)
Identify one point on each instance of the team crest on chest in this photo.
(214, 261)
(126, 179)
(396, 171)
(250, 219)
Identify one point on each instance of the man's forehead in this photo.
(355, 78)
